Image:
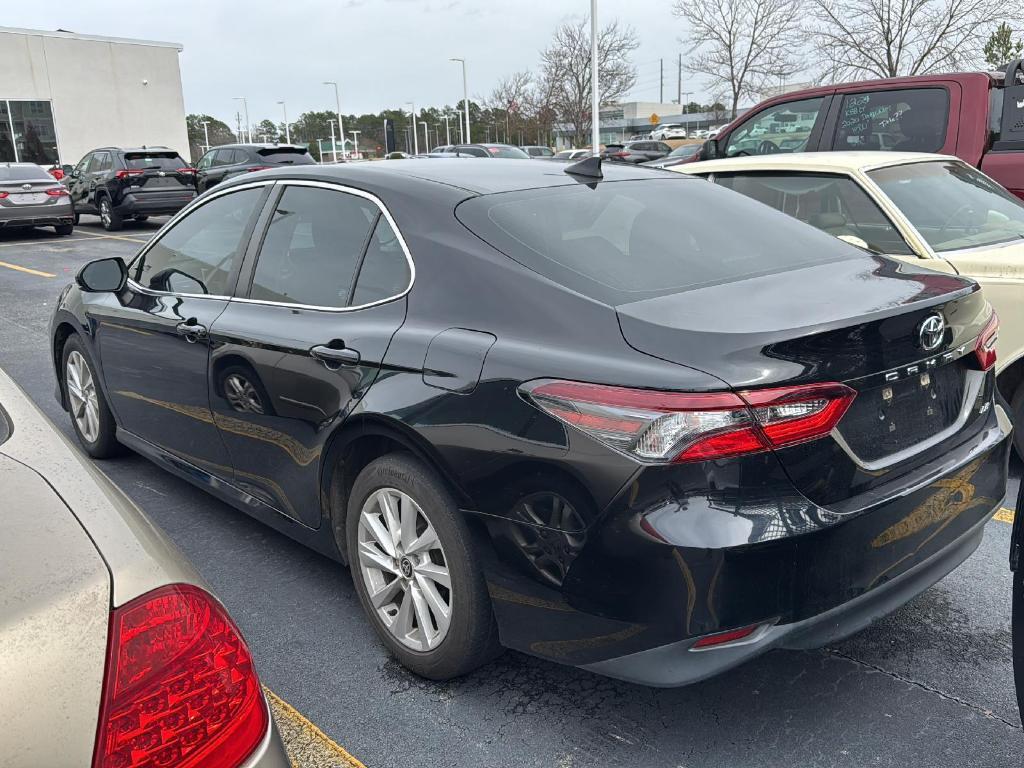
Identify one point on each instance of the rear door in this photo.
(77, 183)
(295, 352)
(91, 179)
(154, 337)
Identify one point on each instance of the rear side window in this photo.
(385, 270)
(284, 157)
(100, 162)
(632, 240)
(834, 204)
(198, 253)
(163, 161)
(904, 120)
(313, 247)
(472, 151)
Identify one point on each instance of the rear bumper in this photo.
(678, 664)
(154, 203)
(48, 215)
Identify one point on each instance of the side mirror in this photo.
(68, 169)
(103, 276)
(709, 150)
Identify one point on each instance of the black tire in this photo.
(105, 445)
(64, 229)
(78, 216)
(472, 638)
(110, 218)
(1017, 406)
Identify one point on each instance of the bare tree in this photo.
(742, 45)
(890, 38)
(509, 98)
(566, 70)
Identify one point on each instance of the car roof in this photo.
(267, 145)
(475, 175)
(834, 162)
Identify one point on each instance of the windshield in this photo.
(141, 161)
(952, 205)
(511, 153)
(626, 241)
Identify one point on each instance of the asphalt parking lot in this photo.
(931, 685)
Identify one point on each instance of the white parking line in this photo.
(112, 237)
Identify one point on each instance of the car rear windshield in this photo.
(158, 161)
(23, 172)
(626, 241)
(511, 153)
(952, 205)
(286, 156)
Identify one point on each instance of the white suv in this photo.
(668, 131)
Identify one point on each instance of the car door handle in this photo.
(334, 357)
(191, 330)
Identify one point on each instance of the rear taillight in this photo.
(985, 347)
(660, 427)
(728, 637)
(57, 192)
(259, 168)
(180, 688)
(185, 170)
(124, 174)
(3, 195)
(620, 154)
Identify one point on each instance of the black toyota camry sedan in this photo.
(628, 421)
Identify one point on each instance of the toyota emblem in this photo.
(931, 331)
(162, 173)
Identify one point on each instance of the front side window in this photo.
(205, 161)
(782, 128)
(834, 204)
(199, 252)
(952, 205)
(904, 120)
(313, 247)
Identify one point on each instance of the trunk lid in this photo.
(51, 578)
(155, 171)
(858, 322)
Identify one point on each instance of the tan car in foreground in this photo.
(112, 654)
(932, 210)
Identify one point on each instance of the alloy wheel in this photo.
(105, 212)
(404, 569)
(242, 395)
(84, 400)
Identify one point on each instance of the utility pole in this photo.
(661, 81)
(206, 134)
(287, 128)
(679, 95)
(334, 147)
(238, 127)
(595, 97)
(248, 129)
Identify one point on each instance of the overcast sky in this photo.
(382, 52)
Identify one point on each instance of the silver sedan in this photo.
(30, 197)
(110, 642)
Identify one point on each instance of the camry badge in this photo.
(931, 331)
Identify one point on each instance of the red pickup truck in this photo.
(977, 116)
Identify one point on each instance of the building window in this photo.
(27, 134)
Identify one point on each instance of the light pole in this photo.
(206, 134)
(355, 143)
(447, 129)
(245, 108)
(334, 147)
(426, 136)
(337, 109)
(287, 128)
(465, 98)
(595, 98)
(412, 124)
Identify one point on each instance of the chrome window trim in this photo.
(975, 380)
(338, 187)
(198, 203)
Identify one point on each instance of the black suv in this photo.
(121, 184)
(230, 160)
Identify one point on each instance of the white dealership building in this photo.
(63, 94)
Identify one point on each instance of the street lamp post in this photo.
(426, 136)
(206, 134)
(595, 98)
(447, 130)
(337, 109)
(412, 124)
(245, 108)
(465, 98)
(334, 147)
(287, 128)
(355, 143)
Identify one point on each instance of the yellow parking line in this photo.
(112, 237)
(1004, 515)
(51, 241)
(26, 270)
(297, 721)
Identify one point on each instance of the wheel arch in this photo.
(63, 331)
(357, 442)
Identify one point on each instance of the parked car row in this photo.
(528, 403)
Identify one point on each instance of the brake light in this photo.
(180, 688)
(259, 168)
(124, 174)
(724, 638)
(57, 192)
(985, 347)
(185, 170)
(3, 195)
(659, 426)
(620, 154)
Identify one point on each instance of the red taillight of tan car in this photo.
(985, 347)
(180, 688)
(655, 426)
